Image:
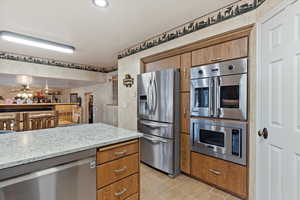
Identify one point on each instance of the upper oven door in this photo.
(201, 97)
(231, 98)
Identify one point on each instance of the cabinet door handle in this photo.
(117, 194)
(214, 172)
(121, 153)
(216, 59)
(120, 170)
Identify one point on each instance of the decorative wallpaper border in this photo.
(52, 62)
(228, 12)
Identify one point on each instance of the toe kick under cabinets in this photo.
(118, 176)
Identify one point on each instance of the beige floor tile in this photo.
(158, 186)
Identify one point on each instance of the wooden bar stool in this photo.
(10, 122)
(40, 120)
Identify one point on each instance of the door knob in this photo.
(264, 133)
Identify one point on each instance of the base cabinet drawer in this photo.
(120, 190)
(226, 175)
(133, 197)
(116, 170)
(107, 154)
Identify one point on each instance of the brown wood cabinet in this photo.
(185, 154)
(185, 112)
(107, 154)
(167, 63)
(118, 171)
(133, 197)
(223, 174)
(225, 51)
(185, 66)
(120, 190)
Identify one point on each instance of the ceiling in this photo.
(16, 81)
(97, 34)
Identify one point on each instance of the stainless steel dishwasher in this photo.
(70, 177)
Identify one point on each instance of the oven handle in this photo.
(217, 96)
(211, 88)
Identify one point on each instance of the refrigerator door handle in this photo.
(150, 96)
(154, 94)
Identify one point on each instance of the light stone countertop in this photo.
(26, 147)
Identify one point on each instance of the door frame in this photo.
(86, 106)
(258, 122)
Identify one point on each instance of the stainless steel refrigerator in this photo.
(158, 119)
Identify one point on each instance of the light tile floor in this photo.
(158, 186)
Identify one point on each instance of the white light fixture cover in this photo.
(36, 42)
(101, 3)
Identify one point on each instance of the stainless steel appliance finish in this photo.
(74, 180)
(158, 119)
(156, 93)
(158, 152)
(220, 90)
(224, 140)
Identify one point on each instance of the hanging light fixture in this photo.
(46, 87)
(35, 42)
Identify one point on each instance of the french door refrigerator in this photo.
(158, 119)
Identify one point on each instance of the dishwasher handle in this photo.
(90, 161)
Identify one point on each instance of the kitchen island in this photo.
(70, 163)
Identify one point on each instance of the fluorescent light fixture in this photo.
(101, 3)
(36, 42)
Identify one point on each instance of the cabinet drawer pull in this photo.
(117, 194)
(120, 170)
(214, 171)
(121, 153)
(216, 59)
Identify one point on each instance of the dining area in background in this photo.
(36, 120)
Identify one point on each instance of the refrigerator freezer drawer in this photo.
(156, 128)
(158, 153)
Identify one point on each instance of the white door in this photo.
(278, 154)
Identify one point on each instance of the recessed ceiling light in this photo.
(101, 3)
(35, 42)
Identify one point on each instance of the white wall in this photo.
(102, 97)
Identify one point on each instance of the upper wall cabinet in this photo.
(225, 51)
(167, 63)
(186, 63)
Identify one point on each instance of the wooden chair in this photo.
(69, 117)
(10, 121)
(40, 120)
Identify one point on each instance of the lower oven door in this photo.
(209, 139)
(158, 152)
(226, 141)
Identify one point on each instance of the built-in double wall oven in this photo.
(219, 110)
(220, 90)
